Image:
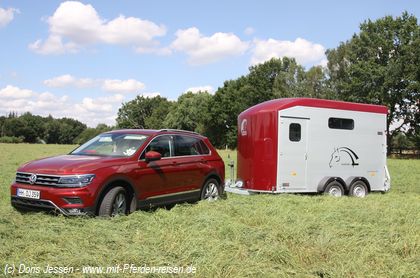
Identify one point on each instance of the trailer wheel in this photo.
(358, 189)
(334, 189)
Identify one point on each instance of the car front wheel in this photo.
(114, 202)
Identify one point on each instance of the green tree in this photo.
(89, 133)
(2, 120)
(69, 130)
(34, 127)
(381, 65)
(191, 112)
(400, 141)
(52, 132)
(143, 112)
(14, 127)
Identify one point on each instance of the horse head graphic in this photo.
(338, 153)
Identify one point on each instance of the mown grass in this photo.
(243, 236)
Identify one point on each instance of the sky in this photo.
(83, 59)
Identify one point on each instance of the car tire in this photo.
(210, 190)
(114, 203)
(334, 189)
(358, 189)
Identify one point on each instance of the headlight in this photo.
(75, 181)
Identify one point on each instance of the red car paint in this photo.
(161, 181)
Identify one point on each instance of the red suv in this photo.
(120, 171)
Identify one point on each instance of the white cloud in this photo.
(75, 25)
(122, 86)
(203, 50)
(68, 80)
(109, 85)
(249, 31)
(89, 110)
(305, 52)
(12, 92)
(53, 45)
(197, 89)
(7, 15)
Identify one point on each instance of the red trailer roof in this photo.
(283, 103)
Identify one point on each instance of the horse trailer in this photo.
(305, 145)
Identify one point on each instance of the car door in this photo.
(191, 162)
(158, 179)
(292, 153)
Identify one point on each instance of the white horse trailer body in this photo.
(309, 145)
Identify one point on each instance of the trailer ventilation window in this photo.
(294, 132)
(340, 123)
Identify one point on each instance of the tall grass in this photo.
(243, 236)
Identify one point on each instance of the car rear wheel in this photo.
(211, 190)
(334, 189)
(114, 203)
(358, 189)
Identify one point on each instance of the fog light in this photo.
(74, 211)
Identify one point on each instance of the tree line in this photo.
(29, 128)
(378, 65)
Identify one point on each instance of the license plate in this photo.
(26, 193)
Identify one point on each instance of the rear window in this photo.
(341, 123)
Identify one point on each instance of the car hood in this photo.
(67, 164)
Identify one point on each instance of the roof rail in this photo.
(181, 130)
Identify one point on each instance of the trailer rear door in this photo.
(292, 153)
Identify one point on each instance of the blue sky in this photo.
(83, 59)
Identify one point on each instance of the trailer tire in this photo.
(334, 189)
(358, 189)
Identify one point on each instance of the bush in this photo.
(11, 139)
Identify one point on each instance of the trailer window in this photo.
(294, 132)
(340, 123)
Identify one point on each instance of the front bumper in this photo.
(54, 200)
(47, 206)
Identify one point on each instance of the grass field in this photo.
(260, 235)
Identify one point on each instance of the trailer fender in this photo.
(326, 180)
(351, 180)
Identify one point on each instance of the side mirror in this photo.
(152, 156)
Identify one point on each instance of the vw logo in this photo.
(32, 179)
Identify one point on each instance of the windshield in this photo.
(112, 144)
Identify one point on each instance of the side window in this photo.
(294, 132)
(340, 123)
(203, 148)
(162, 145)
(186, 145)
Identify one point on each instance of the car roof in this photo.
(151, 132)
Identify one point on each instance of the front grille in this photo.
(47, 180)
(29, 204)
